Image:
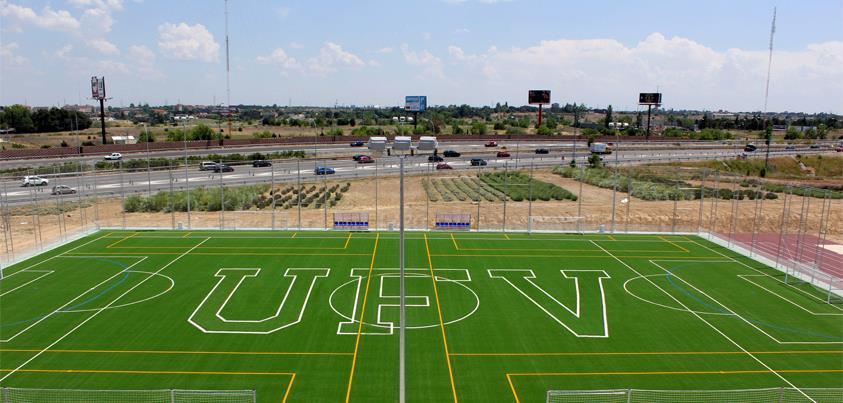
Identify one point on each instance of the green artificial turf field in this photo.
(491, 317)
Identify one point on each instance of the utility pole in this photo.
(227, 74)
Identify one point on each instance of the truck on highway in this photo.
(599, 148)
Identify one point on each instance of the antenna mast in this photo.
(770, 60)
(227, 73)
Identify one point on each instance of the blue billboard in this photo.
(415, 103)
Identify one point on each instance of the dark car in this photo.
(814, 146)
(357, 157)
(324, 171)
(261, 163)
(491, 144)
(503, 154)
(750, 148)
(435, 158)
(223, 168)
(451, 153)
(443, 166)
(542, 151)
(365, 159)
(357, 144)
(478, 162)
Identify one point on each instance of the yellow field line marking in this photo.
(218, 254)
(232, 247)
(506, 236)
(187, 234)
(564, 250)
(441, 321)
(726, 372)
(289, 387)
(454, 240)
(146, 372)
(347, 240)
(360, 326)
(518, 400)
(634, 353)
(122, 239)
(612, 238)
(512, 387)
(668, 241)
(176, 352)
(294, 235)
(690, 258)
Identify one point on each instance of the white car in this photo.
(114, 157)
(63, 190)
(34, 181)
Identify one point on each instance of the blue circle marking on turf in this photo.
(93, 298)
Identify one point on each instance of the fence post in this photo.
(122, 193)
(702, 204)
(675, 203)
(172, 396)
(530, 201)
(222, 198)
(629, 396)
(781, 394)
(579, 200)
(298, 191)
(712, 228)
(505, 191)
(254, 396)
(272, 192)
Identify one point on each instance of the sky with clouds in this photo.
(702, 55)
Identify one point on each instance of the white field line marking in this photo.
(69, 332)
(739, 316)
(46, 273)
(626, 288)
(746, 277)
(359, 280)
(298, 319)
(170, 279)
(60, 254)
(283, 300)
(59, 309)
(303, 235)
(709, 324)
(765, 274)
(576, 285)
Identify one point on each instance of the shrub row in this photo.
(518, 186)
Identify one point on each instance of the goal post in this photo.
(452, 221)
(21, 395)
(781, 394)
(554, 223)
(351, 221)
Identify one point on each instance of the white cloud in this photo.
(691, 75)
(187, 42)
(374, 63)
(60, 20)
(279, 58)
(332, 57)
(8, 58)
(296, 45)
(385, 50)
(431, 65)
(103, 46)
(97, 20)
(115, 5)
(144, 59)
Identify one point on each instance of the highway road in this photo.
(116, 183)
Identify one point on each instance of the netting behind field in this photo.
(19, 395)
(716, 396)
(554, 223)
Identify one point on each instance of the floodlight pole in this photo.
(186, 174)
(403, 316)
(148, 166)
(649, 110)
(540, 117)
(102, 115)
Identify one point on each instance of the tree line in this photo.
(23, 120)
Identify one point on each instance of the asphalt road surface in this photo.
(116, 183)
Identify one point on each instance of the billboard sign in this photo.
(650, 98)
(538, 97)
(98, 87)
(415, 103)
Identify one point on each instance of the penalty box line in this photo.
(96, 313)
(288, 388)
(510, 376)
(709, 324)
(663, 240)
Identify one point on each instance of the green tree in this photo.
(201, 132)
(608, 116)
(478, 128)
(18, 117)
(792, 134)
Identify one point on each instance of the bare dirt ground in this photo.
(380, 199)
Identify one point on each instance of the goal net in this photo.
(20, 395)
(451, 221)
(554, 223)
(351, 221)
(713, 396)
